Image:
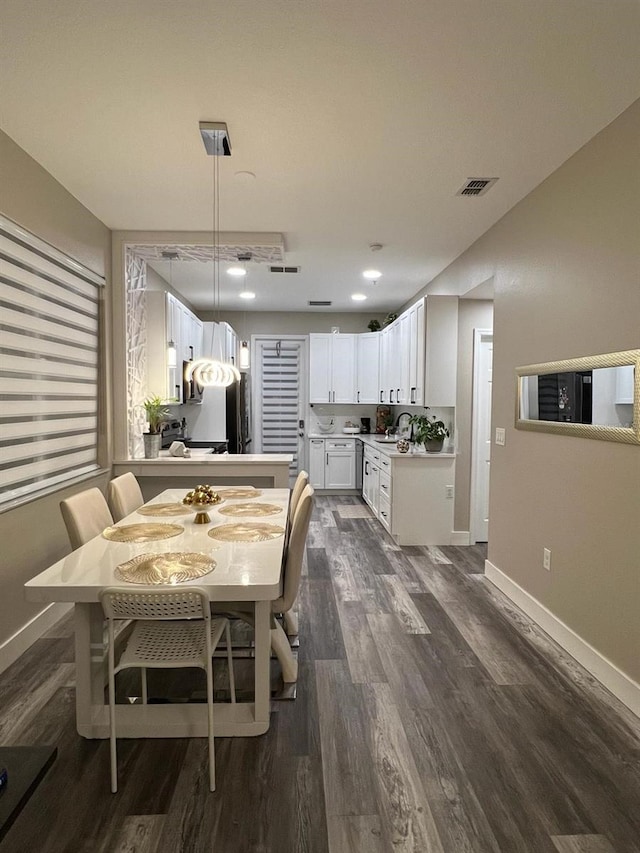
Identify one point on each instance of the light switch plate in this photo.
(500, 436)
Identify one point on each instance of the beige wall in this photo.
(247, 323)
(567, 283)
(33, 535)
(472, 314)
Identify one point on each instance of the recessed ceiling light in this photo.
(358, 297)
(236, 271)
(372, 275)
(247, 294)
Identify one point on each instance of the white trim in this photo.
(478, 336)
(620, 684)
(24, 637)
(459, 537)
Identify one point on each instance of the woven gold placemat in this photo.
(248, 492)
(256, 509)
(164, 509)
(169, 568)
(142, 532)
(248, 532)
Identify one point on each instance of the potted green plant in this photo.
(428, 430)
(156, 414)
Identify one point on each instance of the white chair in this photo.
(124, 496)
(85, 516)
(292, 572)
(302, 480)
(172, 629)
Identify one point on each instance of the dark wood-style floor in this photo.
(431, 716)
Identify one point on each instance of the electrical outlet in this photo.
(500, 436)
(546, 559)
(448, 492)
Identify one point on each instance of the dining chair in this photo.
(124, 495)
(85, 516)
(173, 628)
(292, 571)
(302, 480)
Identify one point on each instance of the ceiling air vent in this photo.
(315, 303)
(476, 186)
(284, 269)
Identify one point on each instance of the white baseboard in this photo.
(460, 537)
(614, 679)
(24, 637)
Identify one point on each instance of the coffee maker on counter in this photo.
(366, 426)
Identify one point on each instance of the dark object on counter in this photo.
(216, 446)
(366, 425)
(25, 768)
(383, 418)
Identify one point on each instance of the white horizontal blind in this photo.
(280, 363)
(48, 365)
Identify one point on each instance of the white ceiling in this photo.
(360, 120)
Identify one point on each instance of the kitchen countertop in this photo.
(203, 454)
(386, 447)
(239, 468)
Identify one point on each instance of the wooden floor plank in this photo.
(364, 662)
(401, 604)
(582, 844)
(139, 834)
(349, 779)
(357, 834)
(402, 803)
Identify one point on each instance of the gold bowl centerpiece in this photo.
(201, 500)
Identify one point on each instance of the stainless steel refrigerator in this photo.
(238, 415)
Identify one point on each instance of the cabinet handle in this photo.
(381, 394)
(329, 400)
(398, 396)
(327, 459)
(366, 467)
(391, 395)
(413, 394)
(358, 396)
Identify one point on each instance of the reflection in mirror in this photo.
(595, 397)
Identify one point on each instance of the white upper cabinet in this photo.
(416, 354)
(402, 358)
(368, 370)
(332, 368)
(441, 350)
(168, 320)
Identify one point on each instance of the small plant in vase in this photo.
(428, 430)
(156, 413)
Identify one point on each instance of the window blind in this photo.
(280, 391)
(49, 326)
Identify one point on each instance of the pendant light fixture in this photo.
(213, 372)
(172, 353)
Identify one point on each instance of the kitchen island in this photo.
(269, 470)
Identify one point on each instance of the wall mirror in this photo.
(593, 397)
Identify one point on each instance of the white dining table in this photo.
(244, 571)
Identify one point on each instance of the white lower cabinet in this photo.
(332, 463)
(410, 495)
